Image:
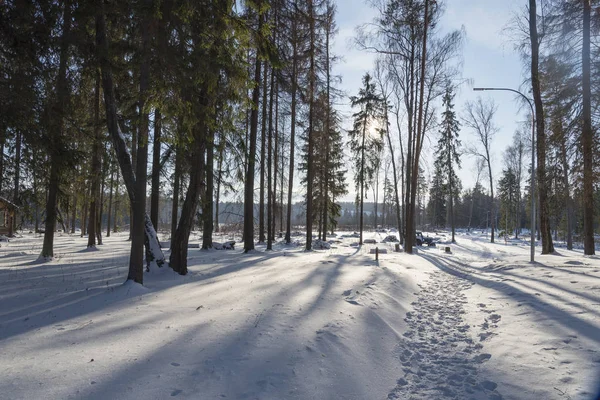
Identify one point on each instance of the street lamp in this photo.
(480, 89)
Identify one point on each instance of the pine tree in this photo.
(447, 152)
(366, 141)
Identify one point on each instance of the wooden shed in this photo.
(8, 212)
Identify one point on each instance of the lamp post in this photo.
(479, 89)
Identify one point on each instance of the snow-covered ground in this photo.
(478, 323)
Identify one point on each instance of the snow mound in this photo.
(320, 245)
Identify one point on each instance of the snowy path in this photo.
(439, 355)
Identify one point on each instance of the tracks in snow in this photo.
(438, 354)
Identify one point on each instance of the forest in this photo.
(112, 110)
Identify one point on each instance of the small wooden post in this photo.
(376, 253)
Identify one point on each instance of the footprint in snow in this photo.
(176, 392)
(175, 364)
(438, 354)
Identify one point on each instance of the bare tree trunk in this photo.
(310, 161)
(395, 173)
(176, 184)
(249, 184)
(263, 159)
(117, 202)
(95, 168)
(179, 242)
(293, 84)
(219, 177)
(101, 205)
(17, 177)
(155, 176)
(110, 201)
(129, 177)
(410, 222)
(270, 167)
(275, 159)
(2, 142)
(587, 138)
(56, 131)
(547, 246)
(362, 184)
(207, 201)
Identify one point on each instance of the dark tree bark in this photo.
(542, 179)
(587, 138)
(2, 142)
(310, 161)
(73, 213)
(249, 184)
(129, 177)
(208, 202)
(270, 166)
(17, 177)
(138, 203)
(101, 205)
(179, 242)
(95, 168)
(117, 202)
(55, 132)
(394, 172)
(263, 157)
(110, 201)
(414, 178)
(294, 85)
(219, 177)
(176, 185)
(155, 176)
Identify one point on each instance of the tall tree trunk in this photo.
(567, 192)
(208, 202)
(542, 181)
(101, 205)
(263, 159)
(327, 125)
(110, 201)
(394, 172)
(129, 177)
(294, 85)
(95, 169)
(176, 182)
(117, 202)
(138, 203)
(2, 142)
(282, 168)
(17, 177)
(410, 222)
(249, 184)
(179, 242)
(270, 167)
(155, 175)
(492, 206)
(55, 134)
(219, 177)
(310, 161)
(275, 158)
(587, 138)
(362, 184)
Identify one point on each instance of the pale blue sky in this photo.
(488, 60)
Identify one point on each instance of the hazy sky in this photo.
(488, 60)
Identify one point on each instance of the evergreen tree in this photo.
(447, 152)
(366, 141)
